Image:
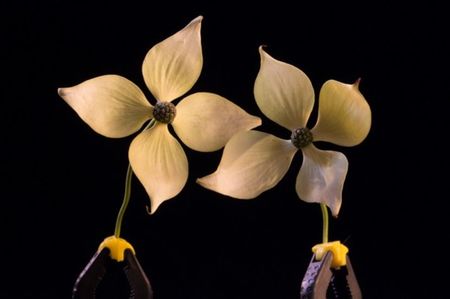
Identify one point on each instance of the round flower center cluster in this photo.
(301, 137)
(164, 112)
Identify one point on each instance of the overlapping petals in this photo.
(253, 161)
(115, 107)
(196, 128)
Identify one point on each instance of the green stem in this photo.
(126, 200)
(126, 196)
(323, 207)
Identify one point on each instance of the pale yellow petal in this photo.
(321, 177)
(344, 114)
(160, 164)
(252, 162)
(111, 105)
(172, 67)
(283, 92)
(206, 121)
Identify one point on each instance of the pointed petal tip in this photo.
(62, 91)
(151, 209)
(198, 19)
(65, 93)
(257, 121)
(205, 182)
(262, 52)
(334, 207)
(197, 22)
(195, 25)
(199, 181)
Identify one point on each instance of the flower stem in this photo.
(323, 207)
(127, 192)
(126, 200)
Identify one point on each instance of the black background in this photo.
(62, 183)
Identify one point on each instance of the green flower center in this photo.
(164, 112)
(301, 137)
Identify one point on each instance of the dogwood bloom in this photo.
(253, 161)
(115, 107)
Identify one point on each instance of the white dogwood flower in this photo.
(115, 107)
(253, 161)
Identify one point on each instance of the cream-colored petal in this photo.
(344, 114)
(172, 67)
(252, 162)
(111, 105)
(283, 92)
(206, 121)
(159, 162)
(321, 177)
